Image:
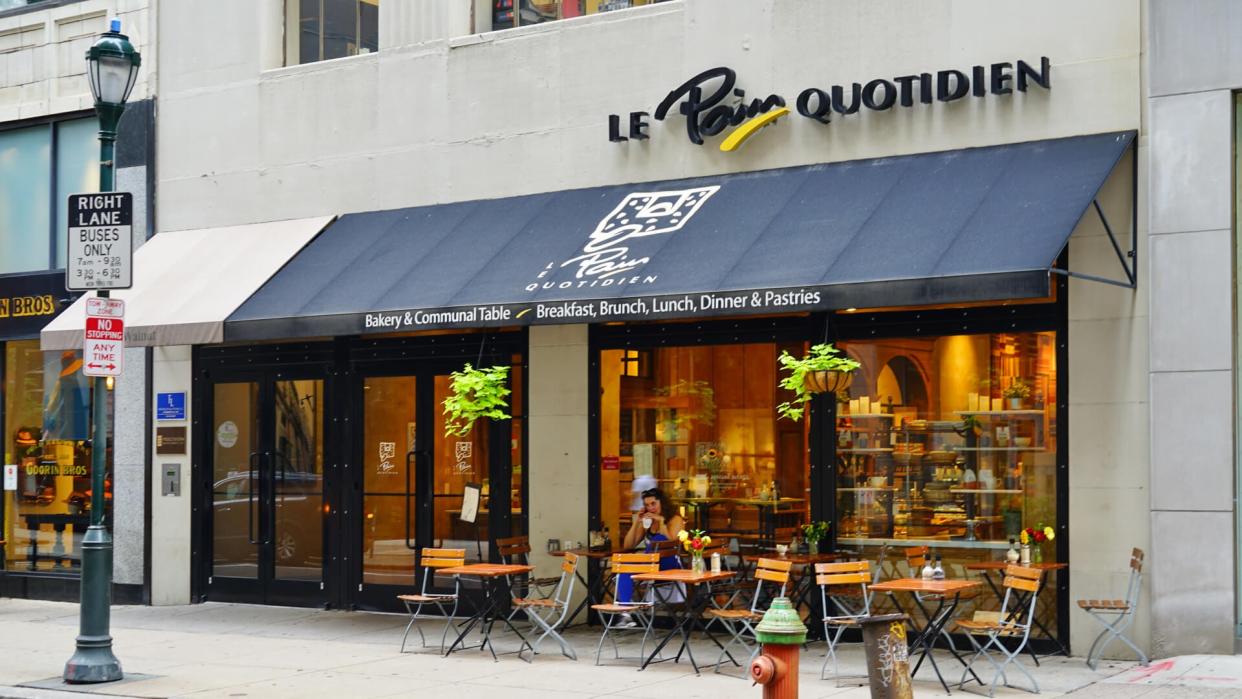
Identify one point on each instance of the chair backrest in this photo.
(635, 563)
(722, 549)
(513, 549)
(565, 586)
(1026, 580)
(771, 571)
(665, 549)
(1136, 578)
(879, 563)
(434, 559)
(916, 557)
(844, 574)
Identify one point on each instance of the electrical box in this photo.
(171, 479)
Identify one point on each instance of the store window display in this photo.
(47, 428)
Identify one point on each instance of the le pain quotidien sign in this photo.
(711, 102)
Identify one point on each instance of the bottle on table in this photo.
(938, 570)
(716, 562)
(928, 572)
(1012, 556)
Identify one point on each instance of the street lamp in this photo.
(112, 68)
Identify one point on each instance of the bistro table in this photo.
(986, 567)
(493, 593)
(596, 593)
(691, 611)
(925, 638)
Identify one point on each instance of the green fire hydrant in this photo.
(781, 632)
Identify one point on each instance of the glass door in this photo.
(267, 493)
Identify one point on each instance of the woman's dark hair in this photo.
(667, 509)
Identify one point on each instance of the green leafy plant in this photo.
(823, 357)
(815, 531)
(1018, 389)
(476, 393)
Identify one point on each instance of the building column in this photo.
(171, 520)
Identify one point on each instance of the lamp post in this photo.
(112, 67)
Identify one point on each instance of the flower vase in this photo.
(696, 564)
(1037, 554)
(812, 547)
(1025, 558)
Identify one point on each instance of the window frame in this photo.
(51, 123)
(293, 39)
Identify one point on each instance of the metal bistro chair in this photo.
(739, 622)
(1116, 615)
(643, 612)
(516, 550)
(433, 560)
(549, 613)
(832, 575)
(1010, 624)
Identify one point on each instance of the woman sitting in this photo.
(657, 521)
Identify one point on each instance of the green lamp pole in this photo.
(112, 67)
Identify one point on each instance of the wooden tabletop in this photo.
(486, 570)
(797, 558)
(587, 553)
(683, 575)
(936, 587)
(1001, 565)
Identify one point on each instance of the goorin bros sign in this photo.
(711, 102)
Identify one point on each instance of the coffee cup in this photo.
(782, 549)
(646, 522)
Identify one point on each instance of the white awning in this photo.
(187, 282)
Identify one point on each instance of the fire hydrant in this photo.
(782, 633)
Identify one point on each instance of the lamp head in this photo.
(112, 67)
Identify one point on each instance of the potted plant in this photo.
(1017, 391)
(823, 370)
(474, 394)
(814, 533)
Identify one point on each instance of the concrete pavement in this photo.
(230, 650)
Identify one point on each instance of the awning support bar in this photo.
(1128, 260)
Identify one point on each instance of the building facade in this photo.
(393, 190)
(48, 150)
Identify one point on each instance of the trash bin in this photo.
(888, 659)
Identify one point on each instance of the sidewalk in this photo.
(228, 650)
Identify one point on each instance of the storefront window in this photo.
(326, 29)
(47, 428)
(507, 14)
(950, 443)
(701, 424)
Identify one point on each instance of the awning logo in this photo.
(606, 258)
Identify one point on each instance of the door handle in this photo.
(255, 462)
(411, 462)
(271, 510)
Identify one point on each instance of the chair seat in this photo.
(733, 614)
(841, 620)
(620, 608)
(426, 598)
(1116, 605)
(982, 627)
(535, 602)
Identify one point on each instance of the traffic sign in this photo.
(105, 308)
(104, 348)
(101, 245)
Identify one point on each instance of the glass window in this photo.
(25, 175)
(329, 29)
(949, 443)
(77, 171)
(46, 430)
(507, 14)
(701, 424)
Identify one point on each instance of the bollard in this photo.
(888, 660)
(782, 633)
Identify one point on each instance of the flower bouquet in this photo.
(1031, 539)
(696, 542)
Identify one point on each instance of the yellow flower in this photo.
(683, 535)
(707, 541)
(685, 545)
(1048, 532)
(1024, 538)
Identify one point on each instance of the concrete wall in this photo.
(170, 515)
(1193, 68)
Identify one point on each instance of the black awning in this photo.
(970, 225)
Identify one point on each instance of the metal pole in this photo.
(93, 660)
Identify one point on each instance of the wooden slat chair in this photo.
(642, 612)
(516, 550)
(916, 556)
(1117, 614)
(848, 598)
(1012, 624)
(740, 622)
(831, 578)
(549, 613)
(433, 560)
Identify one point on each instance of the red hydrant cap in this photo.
(763, 669)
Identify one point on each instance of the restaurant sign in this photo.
(30, 301)
(711, 102)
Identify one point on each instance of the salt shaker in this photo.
(716, 562)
